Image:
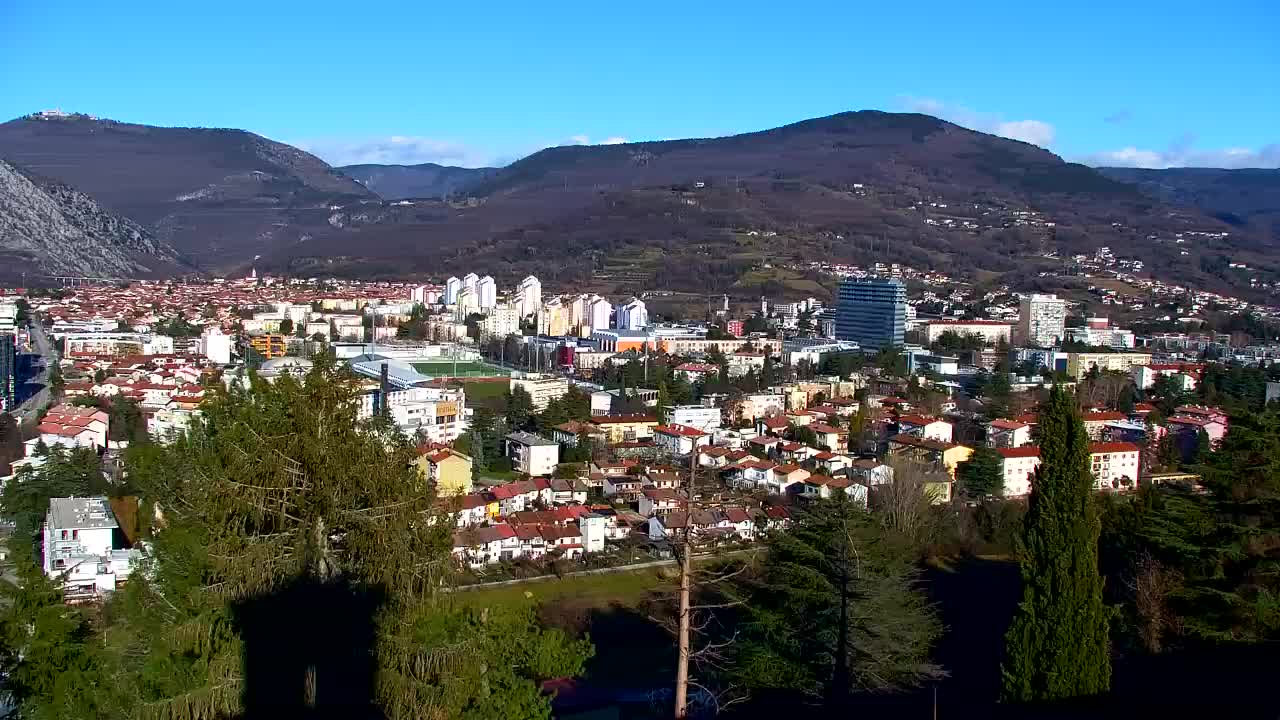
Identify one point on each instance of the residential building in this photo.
(679, 439)
(269, 345)
(216, 347)
(1042, 320)
(532, 454)
(991, 332)
(1003, 433)
(872, 313)
(943, 455)
(1187, 375)
(1097, 331)
(926, 427)
(500, 320)
(695, 416)
(487, 292)
(80, 549)
(528, 297)
(542, 388)
(448, 470)
(633, 315)
(451, 288)
(1080, 363)
(1114, 466)
(626, 428)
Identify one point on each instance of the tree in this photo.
(980, 476)
(298, 570)
(519, 408)
(835, 611)
(1058, 645)
(664, 403)
(66, 472)
(286, 326)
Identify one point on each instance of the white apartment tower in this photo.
(633, 315)
(216, 346)
(451, 288)
(599, 314)
(487, 292)
(1042, 320)
(470, 280)
(529, 298)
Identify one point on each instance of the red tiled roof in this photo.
(1112, 447)
(680, 431)
(1025, 451)
(1003, 424)
(1103, 416)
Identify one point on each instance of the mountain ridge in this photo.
(213, 193)
(51, 228)
(423, 180)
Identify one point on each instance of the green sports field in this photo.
(462, 369)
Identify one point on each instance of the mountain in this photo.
(51, 229)
(739, 214)
(1246, 198)
(428, 180)
(219, 196)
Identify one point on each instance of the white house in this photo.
(679, 439)
(923, 426)
(532, 454)
(79, 547)
(695, 416)
(1114, 466)
(1008, 433)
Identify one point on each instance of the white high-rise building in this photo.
(470, 280)
(216, 346)
(1042, 320)
(487, 292)
(633, 316)
(500, 321)
(467, 302)
(600, 313)
(451, 288)
(529, 298)
(418, 295)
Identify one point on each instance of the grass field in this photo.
(622, 588)
(462, 369)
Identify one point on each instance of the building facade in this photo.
(1042, 320)
(872, 313)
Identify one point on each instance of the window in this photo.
(75, 534)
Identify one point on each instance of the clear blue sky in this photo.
(1152, 83)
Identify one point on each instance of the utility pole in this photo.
(686, 571)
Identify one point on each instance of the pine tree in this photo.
(980, 475)
(296, 568)
(1058, 645)
(836, 611)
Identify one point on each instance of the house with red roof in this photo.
(925, 426)
(1096, 422)
(679, 439)
(1002, 433)
(1114, 466)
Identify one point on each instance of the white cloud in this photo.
(1036, 132)
(586, 140)
(394, 150)
(1181, 153)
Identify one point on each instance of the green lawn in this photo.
(462, 369)
(485, 390)
(622, 588)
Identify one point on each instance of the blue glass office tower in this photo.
(872, 313)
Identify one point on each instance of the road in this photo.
(41, 344)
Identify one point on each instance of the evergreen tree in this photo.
(836, 611)
(980, 476)
(664, 403)
(519, 409)
(1058, 645)
(296, 570)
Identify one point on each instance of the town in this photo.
(573, 429)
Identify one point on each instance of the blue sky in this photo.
(1117, 82)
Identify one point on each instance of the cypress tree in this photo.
(1058, 645)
